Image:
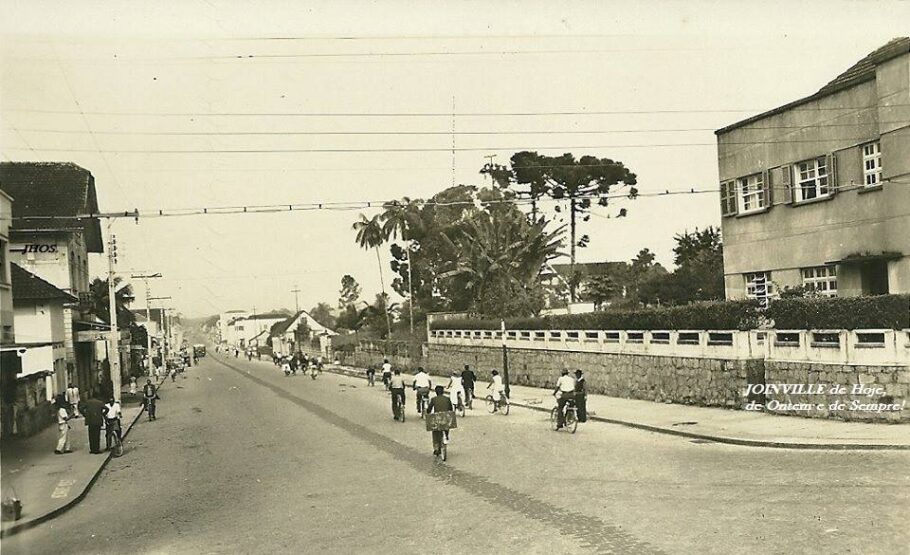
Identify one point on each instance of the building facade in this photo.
(815, 194)
(48, 238)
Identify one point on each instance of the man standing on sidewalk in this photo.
(63, 427)
(93, 411)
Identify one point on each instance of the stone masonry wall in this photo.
(862, 393)
(706, 382)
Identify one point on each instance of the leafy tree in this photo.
(601, 289)
(323, 314)
(100, 301)
(564, 177)
(370, 236)
(699, 275)
(350, 292)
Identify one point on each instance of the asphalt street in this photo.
(245, 460)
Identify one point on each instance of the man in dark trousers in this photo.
(93, 411)
(467, 381)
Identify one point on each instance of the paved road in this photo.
(245, 460)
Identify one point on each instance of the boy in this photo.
(440, 403)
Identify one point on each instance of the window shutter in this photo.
(767, 192)
(728, 198)
(786, 183)
(832, 173)
(734, 193)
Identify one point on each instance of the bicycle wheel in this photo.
(442, 454)
(504, 407)
(460, 410)
(571, 420)
(554, 418)
(491, 404)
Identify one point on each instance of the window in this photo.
(811, 179)
(821, 279)
(759, 286)
(4, 278)
(872, 164)
(751, 193)
(728, 198)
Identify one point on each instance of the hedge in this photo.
(878, 312)
(732, 315)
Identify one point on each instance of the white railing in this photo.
(871, 347)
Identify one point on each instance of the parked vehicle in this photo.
(199, 351)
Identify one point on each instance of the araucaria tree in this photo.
(578, 182)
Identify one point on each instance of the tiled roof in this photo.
(29, 287)
(278, 328)
(590, 268)
(52, 189)
(266, 316)
(861, 71)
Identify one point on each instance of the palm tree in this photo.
(100, 304)
(370, 236)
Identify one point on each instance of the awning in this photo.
(867, 257)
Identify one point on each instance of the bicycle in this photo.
(502, 405)
(570, 417)
(112, 430)
(423, 403)
(458, 405)
(399, 407)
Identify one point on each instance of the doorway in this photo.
(874, 276)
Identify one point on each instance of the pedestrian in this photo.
(581, 396)
(467, 381)
(371, 376)
(236, 352)
(63, 427)
(133, 385)
(72, 397)
(112, 416)
(149, 396)
(93, 410)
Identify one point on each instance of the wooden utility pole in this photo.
(114, 333)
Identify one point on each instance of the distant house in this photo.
(558, 277)
(242, 330)
(814, 193)
(57, 249)
(40, 313)
(297, 333)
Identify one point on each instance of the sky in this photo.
(180, 104)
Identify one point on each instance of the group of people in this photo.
(571, 389)
(290, 364)
(96, 414)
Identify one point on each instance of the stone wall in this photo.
(847, 392)
(706, 382)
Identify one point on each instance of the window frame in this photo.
(749, 278)
(754, 191)
(814, 276)
(801, 185)
(876, 159)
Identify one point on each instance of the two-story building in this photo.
(51, 237)
(816, 193)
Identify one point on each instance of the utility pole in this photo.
(505, 358)
(296, 290)
(114, 333)
(411, 249)
(148, 318)
(163, 336)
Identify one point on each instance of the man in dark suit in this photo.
(93, 411)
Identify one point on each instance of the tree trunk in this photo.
(388, 320)
(572, 251)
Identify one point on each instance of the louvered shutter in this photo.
(832, 173)
(767, 193)
(728, 198)
(786, 183)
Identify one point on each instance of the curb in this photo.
(692, 435)
(13, 530)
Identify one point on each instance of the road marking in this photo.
(63, 489)
(590, 532)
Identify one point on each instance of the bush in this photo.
(879, 312)
(732, 315)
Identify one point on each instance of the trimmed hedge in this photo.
(878, 312)
(732, 315)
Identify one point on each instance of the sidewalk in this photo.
(49, 484)
(737, 427)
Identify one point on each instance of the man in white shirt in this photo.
(422, 385)
(112, 416)
(564, 392)
(386, 373)
(499, 390)
(72, 397)
(63, 427)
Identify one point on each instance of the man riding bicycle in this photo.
(440, 403)
(422, 385)
(467, 382)
(564, 393)
(149, 396)
(112, 427)
(396, 384)
(499, 390)
(386, 372)
(456, 390)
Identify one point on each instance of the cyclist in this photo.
(564, 392)
(386, 373)
(467, 381)
(371, 376)
(456, 390)
(499, 390)
(581, 396)
(440, 403)
(396, 385)
(112, 416)
(422, 385)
